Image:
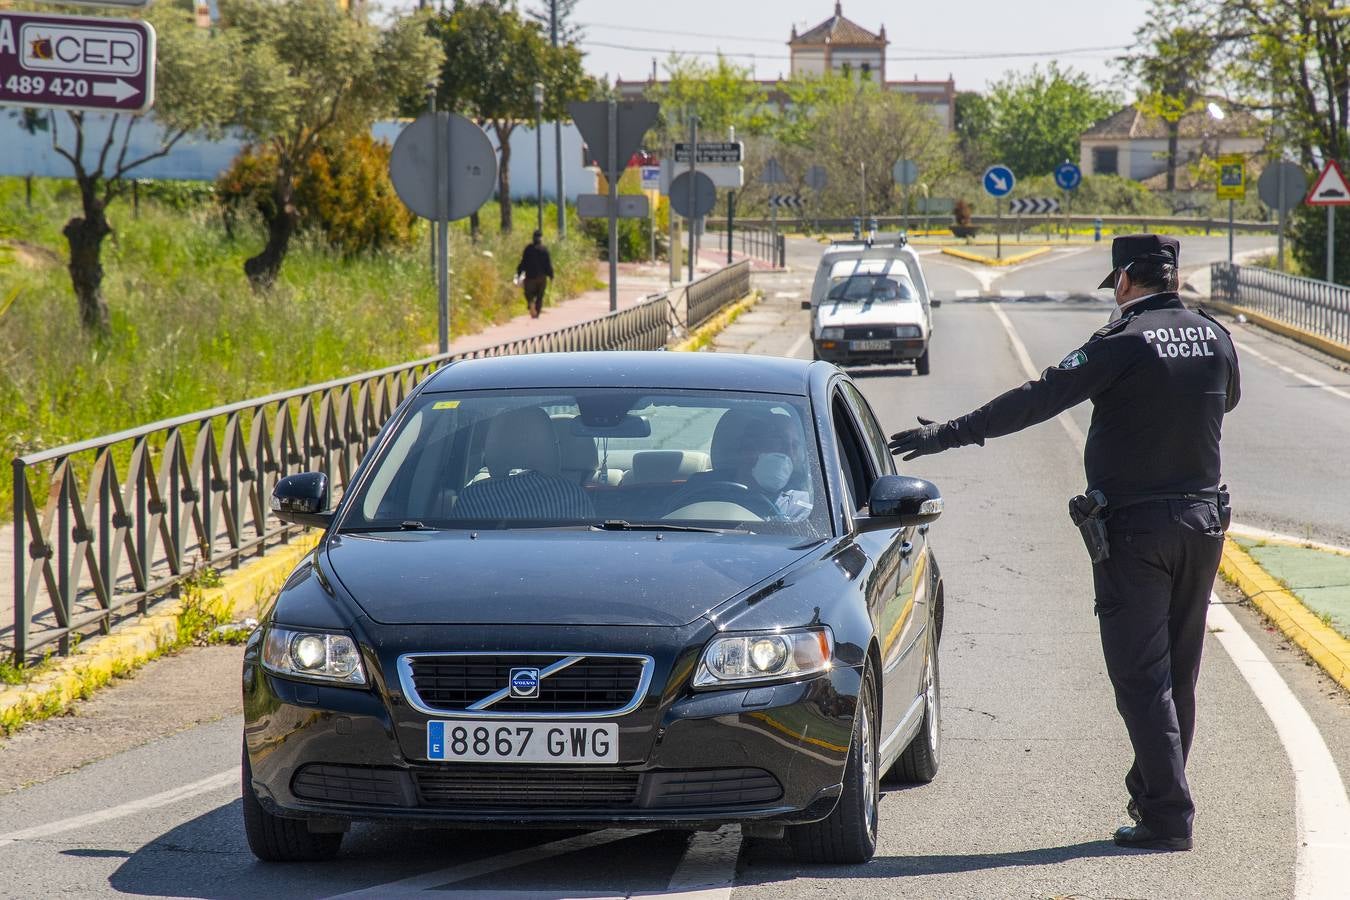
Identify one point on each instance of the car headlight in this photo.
(908, 331)
(831, 334)
(313, 654)
(764, 656)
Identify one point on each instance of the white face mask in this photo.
(772, 471)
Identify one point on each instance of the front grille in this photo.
(710, 787)
(352, 784)
(596, 684)
(869, 332)
(518, 788)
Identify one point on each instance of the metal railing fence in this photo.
(759, 243)
(1318, 307)
(1008, 222)
(104, 527)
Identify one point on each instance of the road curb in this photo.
(1328, 649)
(1307, 338)
(131, 646)
(703, 335)
(991, 261)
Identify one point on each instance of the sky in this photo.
(967, 39)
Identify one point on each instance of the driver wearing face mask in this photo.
(771, 455)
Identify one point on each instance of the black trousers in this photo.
(1152, 596)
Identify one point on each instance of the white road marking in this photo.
(1245, 348)
(1261, 534)
(966, 293)
(1322, 867)
(465, 871)
(797, 345)
(1024, 359)
(1012, 295)
(164, 798)
(707, 871)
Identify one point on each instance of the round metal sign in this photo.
(1295, 183)
(817, 178)
(468, 167)
(1068, 176)
(704, 199)
(905, 172)
(999, 180)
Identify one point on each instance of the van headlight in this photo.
(764, 656)
(908, 331)
(831, 334)
(317, 655)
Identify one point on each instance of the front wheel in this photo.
(276, 839)
(918, 764)
(849, 834)
(921, 364)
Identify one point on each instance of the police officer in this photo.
(1161, 378)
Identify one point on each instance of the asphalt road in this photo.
(1031, 782)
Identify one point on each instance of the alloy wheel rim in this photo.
(868, 770)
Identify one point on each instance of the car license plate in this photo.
(469, 740)
(869, 345)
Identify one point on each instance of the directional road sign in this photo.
(905, 172)
(704, 195)
(629, 206)
(773, 173)
(1232, 184)
(1282, 186)
(77, 62)
(817, 178)
(714, 152)
(1033, 206)
(1068, 176)
(468, 172)
(786, 201)
(1331, 188)
(723, 175)
(999, 180)
(633, 118)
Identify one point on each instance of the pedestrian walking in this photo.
(535, 270)
(1161, 378)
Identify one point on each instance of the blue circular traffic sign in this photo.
(999, 180)
(1068, 176)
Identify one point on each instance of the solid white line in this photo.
(1012, 295)
(465, 871)
(164, 798)
(1322, 854)
(965, 293)
(1244, 348)
(1322, 866)
(1024, 359)
(707, 870)
(797, 346)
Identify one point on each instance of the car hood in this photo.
(831, 313)
(529, 577)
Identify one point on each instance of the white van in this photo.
(870, 304)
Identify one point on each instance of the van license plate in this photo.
(869, 345)
(469, 740)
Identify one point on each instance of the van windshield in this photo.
(890, 288)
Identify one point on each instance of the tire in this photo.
(918, 764)
(849, 834)
(921, 364)
(276, 839)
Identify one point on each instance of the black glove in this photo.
(917, 441)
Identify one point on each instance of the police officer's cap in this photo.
(1141, 248)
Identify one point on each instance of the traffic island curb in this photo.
(174, 624)
(1300, 625)
(992, 261)
(703, 335)
(1307, 338)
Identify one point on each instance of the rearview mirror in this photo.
(302, 499)
(898, 501)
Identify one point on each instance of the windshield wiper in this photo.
(622, 525)
(407, 525)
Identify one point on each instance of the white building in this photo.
(1133, 145)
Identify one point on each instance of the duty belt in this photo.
(1120, 501)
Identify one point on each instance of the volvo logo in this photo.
(525, 684)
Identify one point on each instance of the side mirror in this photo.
(806, 304)
(935, 303)
(898, 501)
(302, 499)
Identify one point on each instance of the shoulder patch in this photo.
(1073, 360)
(1202, 311)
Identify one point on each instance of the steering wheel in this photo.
(727, 492)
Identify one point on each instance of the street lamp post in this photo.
(557, 133)
(539, 150)
(1217, 114)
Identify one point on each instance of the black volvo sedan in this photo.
(653, 590)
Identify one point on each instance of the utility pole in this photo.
(539, 151)
(557, 132)
(693, 166)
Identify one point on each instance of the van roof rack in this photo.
(891, 239)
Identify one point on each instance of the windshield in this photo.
(609, 459)
(872, 289)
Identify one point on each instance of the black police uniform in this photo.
(1161, 379)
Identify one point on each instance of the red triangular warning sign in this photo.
(1330, 189)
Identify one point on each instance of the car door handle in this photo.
(906, 548)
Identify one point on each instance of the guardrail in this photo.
(1318, 307)
(760, 243)
(1009, 223)
(105, 527)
